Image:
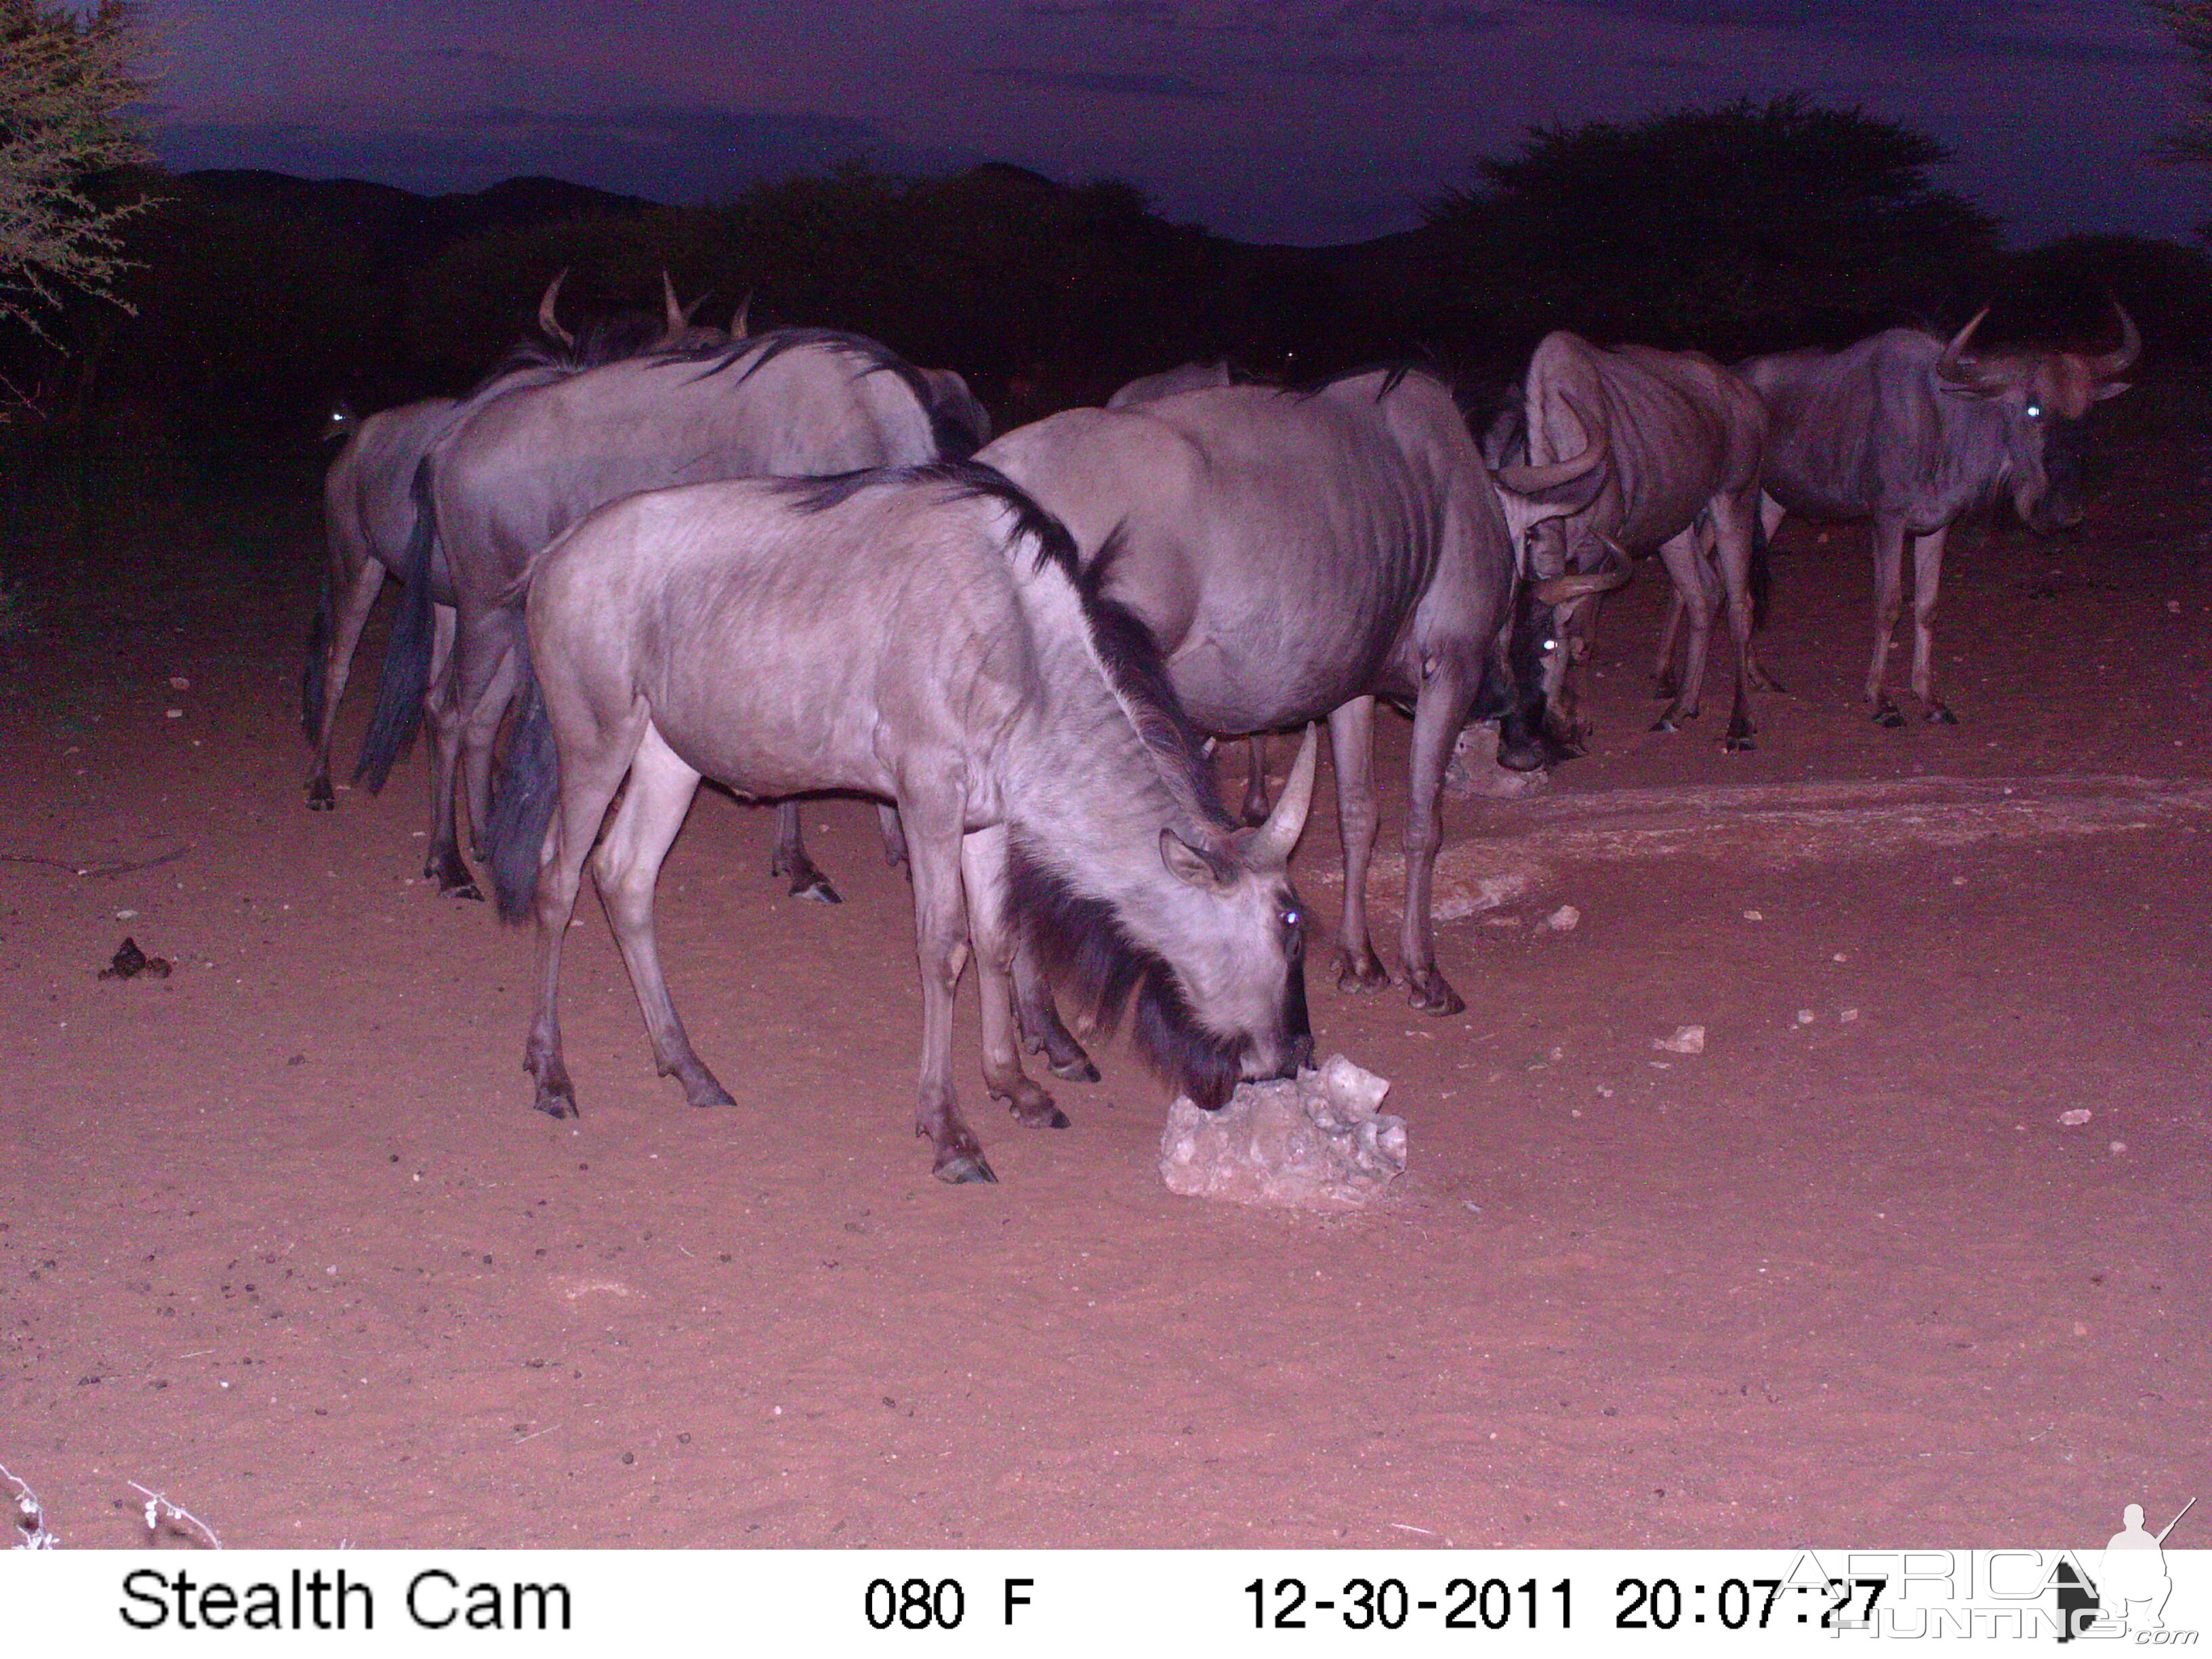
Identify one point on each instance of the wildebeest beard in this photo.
(1084, 951)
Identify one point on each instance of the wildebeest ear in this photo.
(1194, 864)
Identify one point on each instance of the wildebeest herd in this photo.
(655, 552)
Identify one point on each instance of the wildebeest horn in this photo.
(1273, 841)
(546, 320)
(741, 324)
(676, 318)
(1531, 480)
(1954, 365)
(1558, 590)
(2110, 364)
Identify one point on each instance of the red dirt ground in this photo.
(282, 1239)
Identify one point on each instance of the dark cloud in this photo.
(1105, 81)
(1957, 28)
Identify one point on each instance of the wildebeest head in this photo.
(2039, 396)
(1209, 961)
(339, 422)
(1241, 961)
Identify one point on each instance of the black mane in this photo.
(948, 426)
(1080, 943)
(603, 340)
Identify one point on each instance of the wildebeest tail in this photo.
(1761, 574)
(406, 673)
(312, 680)
(524, 795)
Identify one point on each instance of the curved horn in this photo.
(1560, 589)
(1953, 365)
(547, 321)
(672, 312)
(1273, 841)
(2110, 365)
(1535, 480)
(741, 324)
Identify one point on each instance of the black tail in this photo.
(524, 795)
(1761, 574)
(311, 677)
(406, 675)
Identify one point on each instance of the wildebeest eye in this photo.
(2034, 410)
(1292, 917)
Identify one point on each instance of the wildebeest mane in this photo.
(1393, 371)
(1125, 650)
(596, 344)
(1079, 941)
(948, 429)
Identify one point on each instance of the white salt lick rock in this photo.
(1317, 1142)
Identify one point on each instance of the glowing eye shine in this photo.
(2035, 409)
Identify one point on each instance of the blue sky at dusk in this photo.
(1291, 120)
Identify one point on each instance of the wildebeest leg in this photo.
(1042, 1031)
(1446, 695)
(983, 873)
(789, 858)
(940, 926)
(1927, 579)
(1663, 683)
(360, 591)
(894, 834)
(441, 859)
(1889, 574)
(481, 711)
(627, 867)
(592, 767)
(1732, 560)
(1351, 743)
(1255, 780)
(1771, 515)
(1699, 594)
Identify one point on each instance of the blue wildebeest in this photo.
(510, 476)
(1682, 441)
(1184, 377)
(370, 508)
(1298, 555)
(1912, 433)
(926, 637)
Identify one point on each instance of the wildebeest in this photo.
(1913, 432)
(926, 637)
(369, 508)
(1298, 555)
(1682, 439)
(511, 476)
(1184, 377)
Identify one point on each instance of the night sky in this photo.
(1287, 120)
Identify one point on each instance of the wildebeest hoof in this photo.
(1665, 723)
(465, 888)
(1886, 714)
(1733, 744)
(817, 888)
(1078, 1070)
(1363, 972)
(556, 1104)
(1939, 715)
(1035, 1111)
(320, 797)
(699, 1088)
(955, 1167)
(1431, 994)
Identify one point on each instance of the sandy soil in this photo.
(282, 1239)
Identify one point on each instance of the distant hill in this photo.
(397, 226)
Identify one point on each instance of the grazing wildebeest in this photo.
(511, 476)
(1912, 432)
(370, 508)
(1185, 377)
(1298, 555)
(1682, 442)
(928, 636)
